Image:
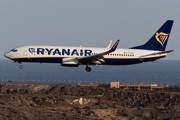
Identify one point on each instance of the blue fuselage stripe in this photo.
(108, 61)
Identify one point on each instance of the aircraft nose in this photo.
(7, 55)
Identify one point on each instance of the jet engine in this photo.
(70, 62)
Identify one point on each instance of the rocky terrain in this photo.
(51, 102)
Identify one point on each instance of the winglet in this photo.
(114, 46)
(109, 44)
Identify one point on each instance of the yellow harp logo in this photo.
(161, 37)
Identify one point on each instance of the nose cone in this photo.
(7, 55)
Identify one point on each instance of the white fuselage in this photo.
(55, 54)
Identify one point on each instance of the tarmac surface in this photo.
(55, 102)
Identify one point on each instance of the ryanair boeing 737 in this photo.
(74, 56)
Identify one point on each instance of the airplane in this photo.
(152, 50)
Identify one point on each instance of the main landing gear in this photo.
(88, 69)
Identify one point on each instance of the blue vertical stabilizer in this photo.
(159, 40)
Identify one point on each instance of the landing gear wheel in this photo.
(88, 69)
(20, 66)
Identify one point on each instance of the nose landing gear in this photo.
(20, 66)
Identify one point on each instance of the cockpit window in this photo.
(14, 50)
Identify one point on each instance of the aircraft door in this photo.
(25, 52)
(140, 56)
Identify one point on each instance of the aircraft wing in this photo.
(97, 57)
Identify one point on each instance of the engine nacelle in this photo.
(70, 62)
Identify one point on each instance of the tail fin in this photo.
(159, 40)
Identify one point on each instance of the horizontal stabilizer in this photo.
(164, 52)
(158, 53)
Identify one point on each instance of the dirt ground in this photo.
(54, 102)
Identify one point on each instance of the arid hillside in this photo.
(30, 102)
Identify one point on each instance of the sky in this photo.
(90, 23)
